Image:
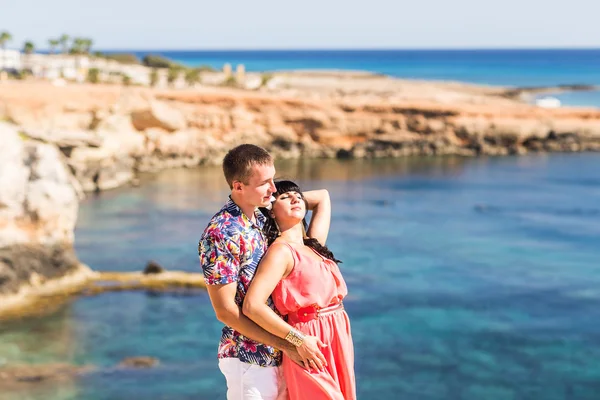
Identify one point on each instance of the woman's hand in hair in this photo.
(319, 202)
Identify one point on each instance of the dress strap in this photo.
(295, 254)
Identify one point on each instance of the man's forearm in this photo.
(244, 325)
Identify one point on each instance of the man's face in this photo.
(260, 186)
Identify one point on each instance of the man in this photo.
(230, 249)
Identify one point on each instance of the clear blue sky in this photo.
(260, 24)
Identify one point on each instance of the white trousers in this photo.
(252, 382)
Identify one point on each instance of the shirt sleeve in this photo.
(219, 264)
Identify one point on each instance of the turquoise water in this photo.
(526, 67)
(583, 99)
(468, 278)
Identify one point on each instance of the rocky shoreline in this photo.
(60, 142)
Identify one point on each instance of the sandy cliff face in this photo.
(108, 133)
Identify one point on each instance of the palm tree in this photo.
(64, 42)
(81, 46)
(53, 44)
(87, 45)
(28, 49)
(5, 37)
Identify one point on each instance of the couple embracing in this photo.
(276, 287)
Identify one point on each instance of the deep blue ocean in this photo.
(490, 67)
(469, 278)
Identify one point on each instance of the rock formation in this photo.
(38, 211)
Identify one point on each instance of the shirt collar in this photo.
(236, 211)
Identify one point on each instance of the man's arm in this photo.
(220, 267)
(222, 298)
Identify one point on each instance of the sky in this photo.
(306, 24)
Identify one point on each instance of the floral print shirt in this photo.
(230, 249)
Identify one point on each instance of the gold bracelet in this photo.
(295, 337)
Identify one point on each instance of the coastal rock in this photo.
(324, 114)
(139, 362)
(153, 268)
(158, 115)
(102, 168)
(38, 211)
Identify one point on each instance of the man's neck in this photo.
(248, 210)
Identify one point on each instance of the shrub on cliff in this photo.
(93, 75)
(230, 82)
(123, 58)
(173, 74)
(153, 77)
(154, 61)
(264, 79)
(205, 68)
(192, 76)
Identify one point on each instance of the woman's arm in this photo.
(319, 202)
(274, 266)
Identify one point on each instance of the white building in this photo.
(10, 59)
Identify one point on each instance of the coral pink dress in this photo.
(318, 283)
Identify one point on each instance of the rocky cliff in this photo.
(58, 142)
(38, 210)
(108, 133)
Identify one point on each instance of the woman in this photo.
(306, 285)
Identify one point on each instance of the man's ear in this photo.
(236, 186)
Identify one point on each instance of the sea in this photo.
(504, 67)
(469, 278)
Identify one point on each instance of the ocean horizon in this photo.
(495, 67)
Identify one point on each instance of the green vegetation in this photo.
(93, 75)
(231, 82)
(192, 76)
(206, 68)
(81, 46)
(264, 79)
(154, 61)
(123, 58)
(53, 43)
(9, 119)
(5, 37)
(64, 42)
(173, 74)
(153, 77)
(28, 48)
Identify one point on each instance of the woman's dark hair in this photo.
(271, 230)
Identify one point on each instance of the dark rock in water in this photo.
(33, 378)
(31, 263)
(153, 268)
(139, 362)
(28, 376)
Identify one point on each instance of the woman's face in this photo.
(289, 208)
